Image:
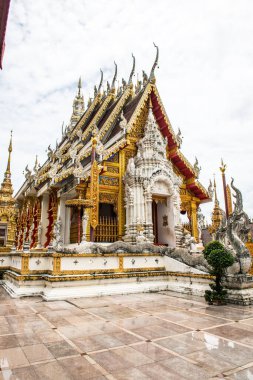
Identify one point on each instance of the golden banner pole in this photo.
(223, 169)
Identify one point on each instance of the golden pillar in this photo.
(194, 220)
(94, 186)
(121, 209)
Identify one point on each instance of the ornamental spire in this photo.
(216, 202)
(6, 186)
(78, 105)
(8, 168)
(217, 214)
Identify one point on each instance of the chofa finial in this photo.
(101, 81)
(115, 76)
(152, 72)
(130, 80)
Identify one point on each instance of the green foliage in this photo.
(211, 247)
(219, 258)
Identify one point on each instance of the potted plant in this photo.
(219, 259)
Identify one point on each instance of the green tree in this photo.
(219, 259)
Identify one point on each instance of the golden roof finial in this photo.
(8, 168)
(223, 166)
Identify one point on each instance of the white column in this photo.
(85, 220)
(127, 207)
(66, 239)
(61, 214)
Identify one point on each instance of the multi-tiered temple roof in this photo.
(114, 117)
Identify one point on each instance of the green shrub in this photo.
(211, 247)
(219, 258)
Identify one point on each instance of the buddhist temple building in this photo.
(117, 168)
(116, 179)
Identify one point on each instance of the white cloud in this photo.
(205, 76)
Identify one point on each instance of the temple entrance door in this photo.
(74, 220)
(154, 221)
(163, 220)
(107, 229)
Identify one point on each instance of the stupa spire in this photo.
(217, 214)
(8, 169)
(6, 186)
(216, 202)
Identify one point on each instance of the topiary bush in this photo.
(219, 259)
(212, 246)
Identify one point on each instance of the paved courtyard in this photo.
(138, 336)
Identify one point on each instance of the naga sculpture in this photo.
(233, 233)
(28, 174)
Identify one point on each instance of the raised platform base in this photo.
(136, 283)
(187, 283)
(145, 268)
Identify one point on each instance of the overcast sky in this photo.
(205, 75)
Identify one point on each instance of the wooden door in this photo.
(154, 221)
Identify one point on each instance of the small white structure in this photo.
(152, 190)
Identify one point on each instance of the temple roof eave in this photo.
(105, 111)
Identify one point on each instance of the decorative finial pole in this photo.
(223, 169)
